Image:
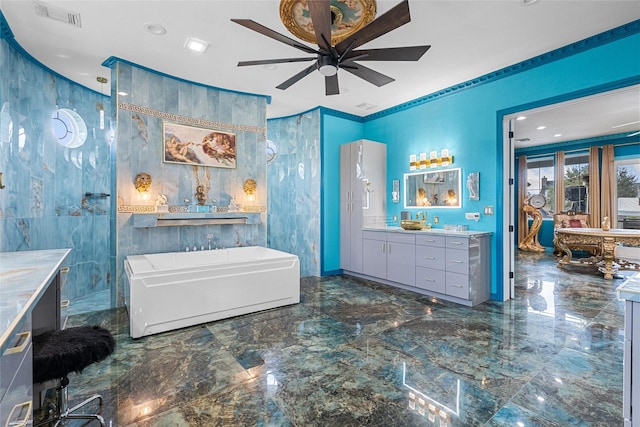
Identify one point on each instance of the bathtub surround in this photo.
(172, 290)
(151, 99)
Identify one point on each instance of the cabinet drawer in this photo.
(457, 285)
(431, 280)
(430, 257)
(13, 356)
(431, 240)
(16, 405)
(457, 242)
(457, 261)
(409, 239)
(374, 235)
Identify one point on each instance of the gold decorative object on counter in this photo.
(606, 224)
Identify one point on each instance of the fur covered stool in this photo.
(58, 353)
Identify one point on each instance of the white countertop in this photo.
(438, 231)
(24, 276)
(629, 290)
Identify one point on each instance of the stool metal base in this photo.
(60, 412)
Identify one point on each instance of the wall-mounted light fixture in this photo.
(143, 185)
(433, 161)
(250, 189)
(413, 164)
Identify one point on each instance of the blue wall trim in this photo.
(342, 115)
(614, 34)
(111, 61)
(7, 34)
(5, 31)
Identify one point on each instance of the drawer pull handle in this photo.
(456, 243)
(429, 240)
(22, 410)
(64, 270)
(429, 257)
(455, 285)
(455, 261)
(65, 303)
(22, 341)
(429, 280)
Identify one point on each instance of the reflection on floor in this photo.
(360, 353)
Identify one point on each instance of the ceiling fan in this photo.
(329, 59)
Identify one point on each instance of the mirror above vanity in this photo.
(430, 189)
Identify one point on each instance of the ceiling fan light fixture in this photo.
(328, 66)
(328, 70)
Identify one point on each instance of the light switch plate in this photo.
(488, 210)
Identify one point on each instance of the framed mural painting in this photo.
(190, 145)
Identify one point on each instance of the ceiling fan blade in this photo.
(273, 61)
(390, 20)
(284, 85)
(409, 53)
(368, 74)
(252, 25)
(320, 12)
(331, 85)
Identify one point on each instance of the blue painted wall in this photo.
(468, 121)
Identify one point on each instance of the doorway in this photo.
(588, 117)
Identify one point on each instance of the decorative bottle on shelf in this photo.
(606, 224)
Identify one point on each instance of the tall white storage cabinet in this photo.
(363, 189)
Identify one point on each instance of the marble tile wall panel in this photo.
(139, 148)
(43, 205)
(294, 189)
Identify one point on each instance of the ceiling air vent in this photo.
(57, 14)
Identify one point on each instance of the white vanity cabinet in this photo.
(389, 256)
(455, 266)
(629, 291)
(362, 197)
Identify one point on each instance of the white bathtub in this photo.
(178, 289)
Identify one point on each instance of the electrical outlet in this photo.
(488, 210)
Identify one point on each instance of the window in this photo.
(540, 173)
(576, 182)
(627, 193)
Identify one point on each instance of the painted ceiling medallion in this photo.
(347, 17)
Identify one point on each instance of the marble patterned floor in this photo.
(359, 353)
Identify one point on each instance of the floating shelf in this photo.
(153, 220)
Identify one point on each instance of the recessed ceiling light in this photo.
(541, 127)
(270, 67)
(521, 118)
(557, 135)
(196, 45)
(63, 56)
(155, 29)
(123, 93)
